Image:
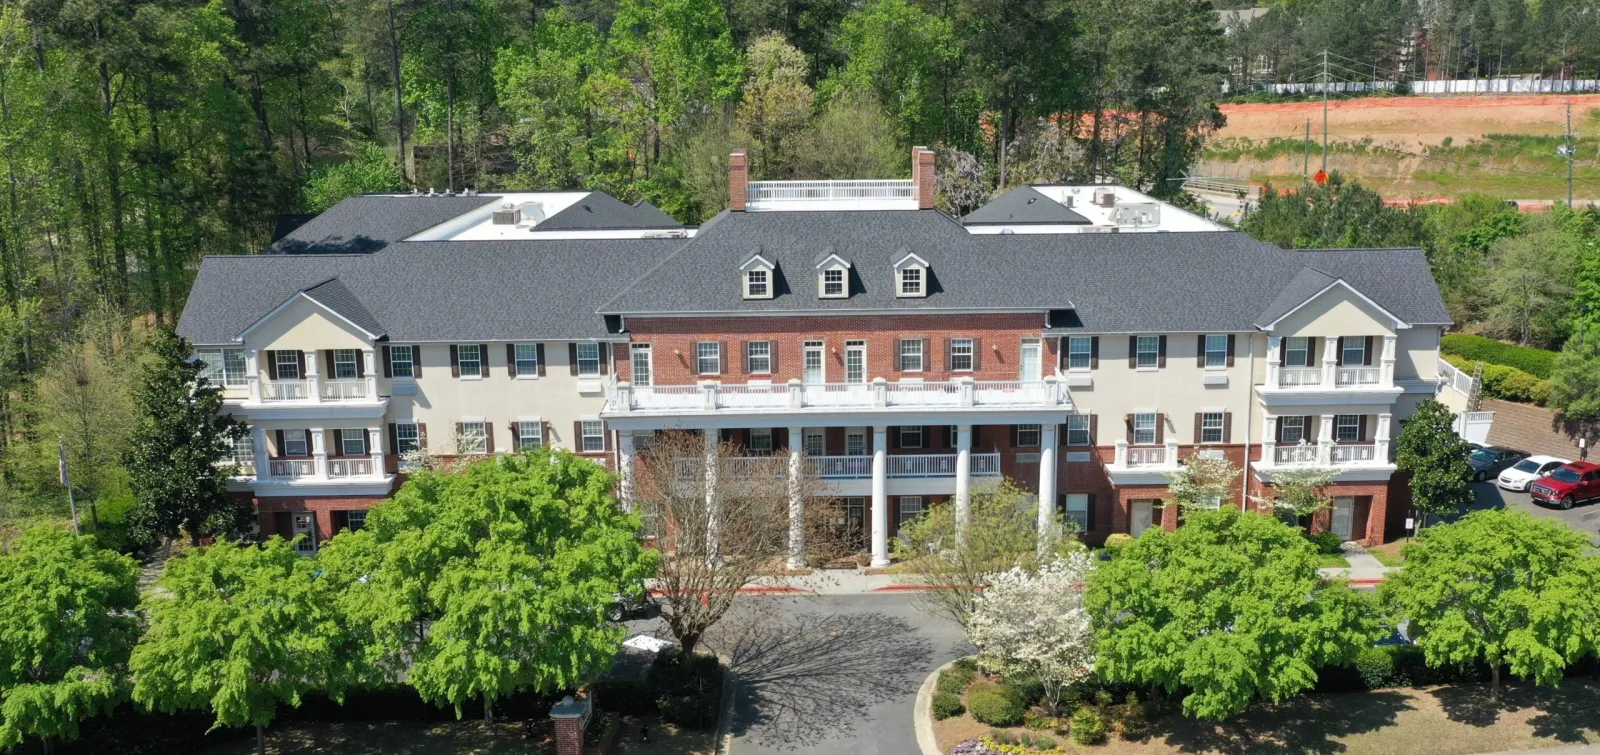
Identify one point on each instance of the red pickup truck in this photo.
(1568, 484)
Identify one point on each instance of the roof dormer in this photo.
(756, 277)
(910, 276)
(833, 275)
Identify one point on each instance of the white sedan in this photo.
(1518, 476)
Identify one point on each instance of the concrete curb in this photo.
(730, 685)
(922, 715)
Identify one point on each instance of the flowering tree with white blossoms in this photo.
(1035, 623)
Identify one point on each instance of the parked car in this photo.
(1522, 474)
(1569, 484)
(1490, 461)
(630, 605)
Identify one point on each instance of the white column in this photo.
(1325, 440)
(625, 469)
(375, 449)
(1269, 439)
(258, 438)
(319, 454)
(1380, 451)
(880, 496)
(370, 363)
(1274, 360)
(797, 502)
(252, 377)
(713, 507)
(963, 477)
(1386, 362)
(1330, 361)
(313, 384)
(1047, 487)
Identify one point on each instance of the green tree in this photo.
(369, 170)
(238, 630)
(1228, 607)
(1501, 587)
(1575, 381)
(510, 564)
(680, 56)
(1203, 483)
(1436, 457)
(1528, 288)
(898, 53)
(178, 457)
(850, 138)
(776, 103)
(1301, 492)
(1332, 215)
(66, 628)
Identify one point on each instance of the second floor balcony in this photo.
(878, 394)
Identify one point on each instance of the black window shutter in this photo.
(283, 524)
(894, 438)
(300, 362)
(1014, 440)
(1161, 351)
(1089, 524)
(1313, 358)
(338, 443)
(1230, 349)
(1200, 351)
(516, 438)
(388, 368)
(341, 521)
(772, 356)
(511, 359)
(1133, 352)
(538, 355)
(278, 439)
(1366, 353)
(605, 358)
(483, 359)
(394, 440)
(744, 347)
(948, 357)
(927, 355)
(605, 437)
(361, 363)
(1199, 427)
(1227, 427)
(422, 436)
(416, 360)
(722, 358)
(455, 361)
(1339, 352)
(1128, 420)
(1363, 428)
(1094, 429)
(488, 437)
(330, 360)
(1161, 428)
(977, 353)
(577, 436)
(572, 357)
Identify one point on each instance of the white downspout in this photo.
(1249, 420)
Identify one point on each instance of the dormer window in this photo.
(833, 283)
(756, 275)
(911, 276)
(911, 281)
(833, 275)
(757, 284)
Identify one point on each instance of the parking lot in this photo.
(1584, 516)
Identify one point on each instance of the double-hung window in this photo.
(402, 361)
(1027, 436)
(1296, 351)
(761, 439)
(1144, 429)
(527, 355)
(1080, 350)
(1211, 427)
(244, 451)
(910, 508)
(756, 284)
(1292, 429)
(474, 438)
(1148, 352)
(1078, 510)
(588, 359)
(353, 442)
(1216, 351)
(961, 354)
(911, 281)
(815, 442)
(406, 437)
(1347, 428)
(594, 435)
(285, 365)
(708, 358)
(758, 357)
(223, 367)
(1078, 430)
(1354, 351)
(357, 519)
(910, 355)
(911, 436)
(530, 435)
(295, 444)
(855, 442)
(470, 359)
(833, 282)
(344, 364)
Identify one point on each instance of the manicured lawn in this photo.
(1390, 554)
(1332, 561)
(1438, 720)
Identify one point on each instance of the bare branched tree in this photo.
(722, 518)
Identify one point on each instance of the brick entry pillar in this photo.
(571, 717)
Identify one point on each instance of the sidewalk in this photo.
(1364, 568)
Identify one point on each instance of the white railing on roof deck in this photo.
(842, 467)
(710, 396)
(806, 191)
(1147, 457)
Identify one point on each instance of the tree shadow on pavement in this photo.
(1305, 724)
(808, 676)
(1562, 713)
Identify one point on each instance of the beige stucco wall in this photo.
(303, 326)
(1336, 312)
(1177, 390)
(1416, 353)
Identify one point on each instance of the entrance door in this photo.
(855, 361)
(1344, 515)
(814, 374)
(306, 524)
(1139, 518)
(640, 357)
(1030, 363)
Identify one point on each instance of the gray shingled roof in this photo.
(422, 291)
(335, 295)
(1024, 205)
(1133, 282)
(367, 223)
(600, 211)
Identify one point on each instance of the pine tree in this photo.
(177, 461)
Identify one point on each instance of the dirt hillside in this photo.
(1409, 122)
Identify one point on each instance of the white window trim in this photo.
(525, 422)
(1360, 344)
(305, 440)
(278, 360)
(411, 361)
(1155, 418)
(844, 282)
(750, 357)
(866, 441)
(822, 441)
(650, 361)
(481, 361)
(901, 355)
(1306, 348)
(1283, 425)
(716, 348)
(345, 436)
(1207, 354)
(460, 442)
(522, 374)
(1087, 437)
(354, 364)
(900, 282)
(416, 436)
(1038, 438)
(900, 509)
(1355, 425)
(579, 442)
(922, 441)
(766, 432)
(1082, 498)
(1220, 427)
(746, 282)
(597, 357)
(971, 355)
(1155, 354)
(1088, 353)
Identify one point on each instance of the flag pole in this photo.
(66, 482)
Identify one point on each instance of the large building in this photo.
(1082, 341)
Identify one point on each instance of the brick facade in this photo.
(323, 507)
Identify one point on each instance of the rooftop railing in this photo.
(822, 191)
(879, 393)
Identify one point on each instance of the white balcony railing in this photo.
(285, 390)
(344, 390)
(860, 467)
(1354, 376)
(340, 468)
(291, 468)
(1303, 454)
(822, 191)
(1299, 377)
(842, 467)
(1147, 456)
(985, 465)
(1354, 454)
(877, 394)
(922, 465)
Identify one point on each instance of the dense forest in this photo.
(140, 135)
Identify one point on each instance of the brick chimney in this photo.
(738, 180)
(922, 176)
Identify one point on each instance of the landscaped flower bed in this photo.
(977, 713)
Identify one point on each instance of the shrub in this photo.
(1376, 667)
(1043, 742)
(1025, 688)
(1117, 541)
(688, 700)
(947, 705)
(1088, 727)
(995, 706)
(1003, 737)
(1509, 383)
(956, 678)
(1326, 542)
(1536, 362)
(1038, 719)
(631, 697)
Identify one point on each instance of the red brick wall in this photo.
(323, 507)
(673, 341)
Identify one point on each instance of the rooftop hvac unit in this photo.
(532, 213)
(1105, 197)
(507, 215)
(1067, 200)
(1137, 214)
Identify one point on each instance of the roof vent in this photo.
(1137, 214)
(1067, 200)
(1105, 197)
(507, 215)
(532, 213)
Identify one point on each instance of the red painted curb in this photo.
(775, 591)
(906, 588)
(1365, 581)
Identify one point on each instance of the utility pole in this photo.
(66, 482)
(1569, 150)
(1324, 111)
(1305, 167)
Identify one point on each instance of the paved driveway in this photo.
(1585, 517)
(829, 674)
